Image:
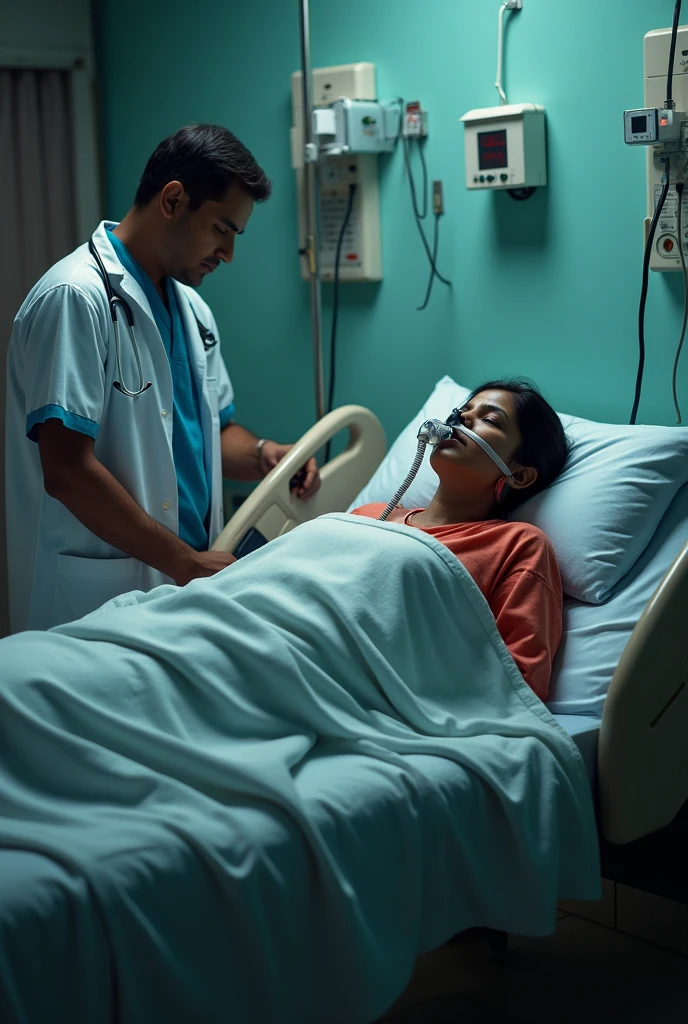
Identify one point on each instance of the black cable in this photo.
(643, 294)
(421, 153)
(653, 226)
(684, 271)
(335, 308)
(418, 219)
(406, 143)
(519, 194)
(418, 216)
(435, 244)
(672, 50)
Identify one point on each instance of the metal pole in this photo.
(312, 246)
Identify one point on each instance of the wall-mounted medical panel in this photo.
(505, 147)
(360, 257)
(665, 253)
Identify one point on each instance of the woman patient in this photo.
(512, 563)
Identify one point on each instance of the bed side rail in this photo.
(643, 747)
(273, 510)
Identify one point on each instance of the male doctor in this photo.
(114, 470)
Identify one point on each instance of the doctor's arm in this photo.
(73, 476)
(241, 460)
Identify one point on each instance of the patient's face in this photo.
(492, 416)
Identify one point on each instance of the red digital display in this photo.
(492, 150)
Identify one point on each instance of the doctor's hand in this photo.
(200, 564)
(305, 483)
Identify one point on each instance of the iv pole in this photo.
(311, 248)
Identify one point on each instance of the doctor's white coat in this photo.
(62, 353)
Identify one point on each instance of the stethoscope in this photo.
(208, 338)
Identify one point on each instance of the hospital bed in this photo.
(145, 915)
(259, 797)
(636, 753)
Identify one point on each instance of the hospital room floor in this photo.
(584, 972)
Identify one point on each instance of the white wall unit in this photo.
(361, 250)
(665, 252)
(505, 147)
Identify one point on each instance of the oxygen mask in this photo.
(455, 422)
(433, 432)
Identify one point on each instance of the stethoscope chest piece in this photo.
(115, 301)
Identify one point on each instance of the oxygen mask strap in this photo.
(486, 448)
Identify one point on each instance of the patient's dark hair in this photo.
(206, 159)
(543, 442)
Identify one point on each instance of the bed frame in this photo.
(272, 508)
(643, 744)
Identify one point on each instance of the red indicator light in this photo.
(667, 245)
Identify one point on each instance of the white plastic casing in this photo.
(665, 252)
(647, 117)
(505, 147)
(361, 251)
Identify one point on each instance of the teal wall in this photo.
(547, 288)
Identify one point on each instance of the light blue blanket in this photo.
(154, 751)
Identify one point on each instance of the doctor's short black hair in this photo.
(544, 444)
(206, 159)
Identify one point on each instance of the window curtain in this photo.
(37, 211)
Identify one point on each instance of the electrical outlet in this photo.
(415, 121)
(514, 5)
(437, 198)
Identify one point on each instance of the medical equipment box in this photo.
(505, 147)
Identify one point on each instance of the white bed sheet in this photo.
(371, 810)
(151, 893)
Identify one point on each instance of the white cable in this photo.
(500, 38)
(509, 5)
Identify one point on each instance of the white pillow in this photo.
(595, 635)
(599, 514)
(603, 510)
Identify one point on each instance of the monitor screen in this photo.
(492, 150)
(639, 124)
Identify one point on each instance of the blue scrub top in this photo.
(193, 486)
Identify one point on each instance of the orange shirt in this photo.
(514, 566)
